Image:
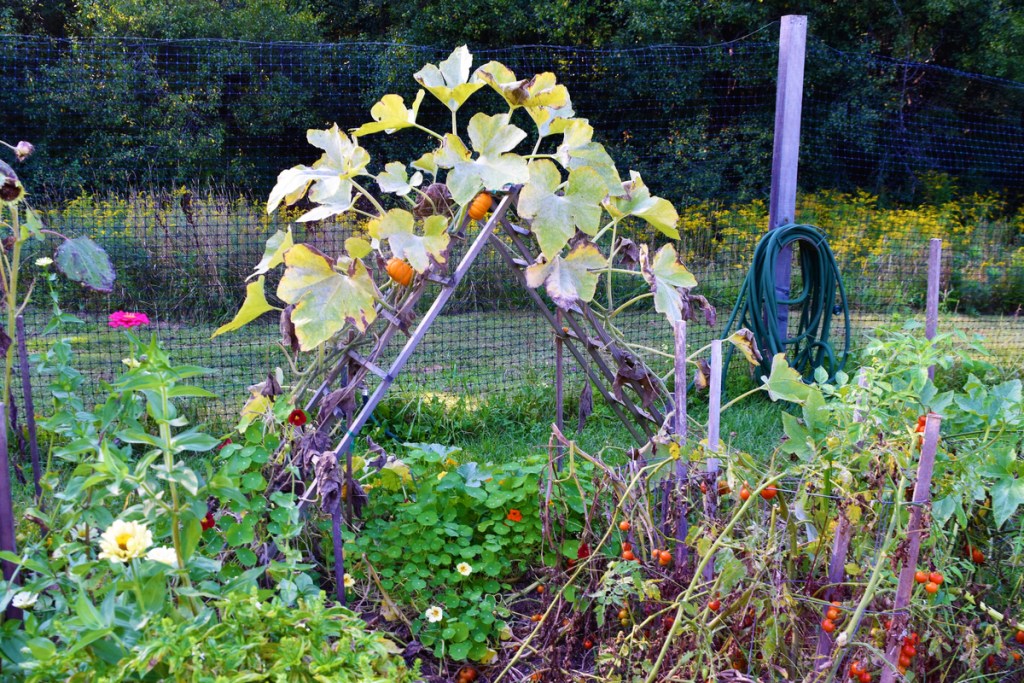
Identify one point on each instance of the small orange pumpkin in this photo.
(400, 271)
(480, 205)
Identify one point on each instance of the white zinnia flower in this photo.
(434, 614)
(349, 581)
(464, 568)
(85, 533)
(24, 599)
(44, 261)
(164, 555)
(125, 541)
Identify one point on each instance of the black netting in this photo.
(165, 151)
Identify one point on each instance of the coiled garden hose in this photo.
(820, 297)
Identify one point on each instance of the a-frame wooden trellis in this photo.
(589, 348)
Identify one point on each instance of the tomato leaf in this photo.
(554, 218)
(569, 279)
(326, 298)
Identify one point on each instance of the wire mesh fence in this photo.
(164, 152)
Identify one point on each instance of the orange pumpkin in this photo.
(480, 205)
(400, 271)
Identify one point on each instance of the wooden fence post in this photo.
(931, 315)
(789, 92)
(30, 414)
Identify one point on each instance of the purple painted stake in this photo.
(679, 429)
(30, 415)
(915, 532)
(714, 419)
(931, 315)
(837, 565)
(7, 538)
(559, 388)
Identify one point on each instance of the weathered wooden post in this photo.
(931, 314)
(714, 421)
(789, 92)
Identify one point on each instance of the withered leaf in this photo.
(586, 406)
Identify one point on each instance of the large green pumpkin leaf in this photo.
(328, 179)
(254, 306)
(396, 226)
(449, 81)
(785, 383)
(273, 255)
(395, 178)
(665, 274)
(637, 201)
(554, 218)
(82, 260)
(570, 279)
(540, 91)
(492, 137)
(390, 114)
(579, 149)
(325, 299)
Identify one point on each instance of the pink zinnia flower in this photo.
(128, 319)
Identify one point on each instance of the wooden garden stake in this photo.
(7, 538)
(714, 421)
(679, 430)
(931, 315)
(30, 415)
(915, 532)
(559, 388)
(789, 92)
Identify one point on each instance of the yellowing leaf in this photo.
(665, 274)
(449, 81)
(426, 163)
(396, 179)
(273, 256)
(578, 149)
(492, 137)
(554, 218)
(325, 299)
(637, 201)
(540, 91)
(357, 247)
(254, 409)
(552, 120)
(396, 226)
(328, 179)
(570, 279)
(743, 339)
(785, 383)
(390, 114)
(254, 306)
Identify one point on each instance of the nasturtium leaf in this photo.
(743, 339)
(541, 90)
(254, 306)
(785, 383)
(552, 120)
(397, 227)
(357, 247)
(328, 179)
(637, 201)
(83, 261)
(492, 137)
(554, 218)
(449, 81)
(326, 297)
(578, 149)
(395, 178)
(665, 274)
(570, 279)
(390, 114)
(273, 256)
(427, 163)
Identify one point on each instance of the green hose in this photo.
(820, 298)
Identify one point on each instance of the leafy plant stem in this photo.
(167, 448)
